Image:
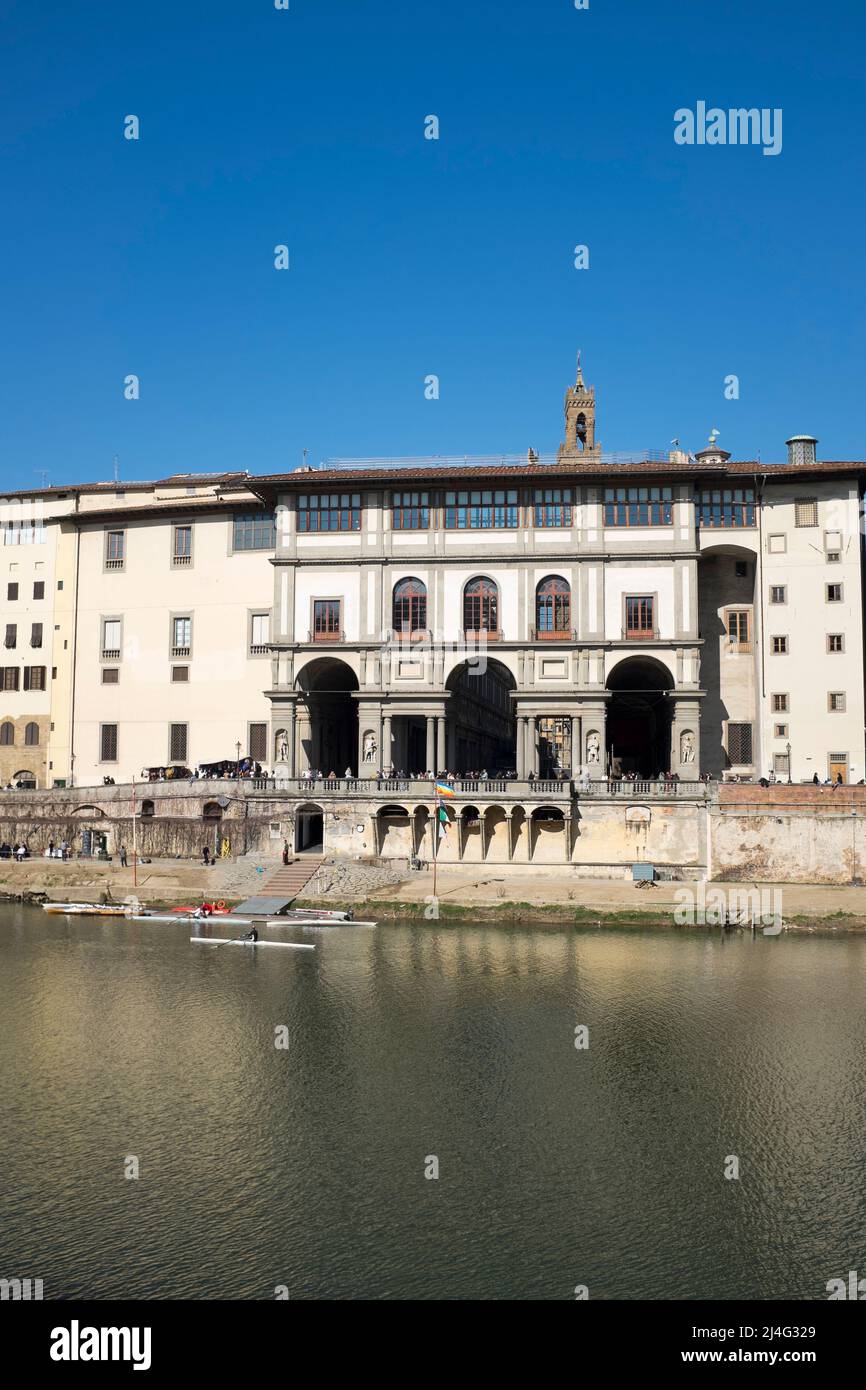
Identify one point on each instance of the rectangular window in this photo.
(255, 531)
(738, 630)
(108, 743)
(410, 511)
(115, 549)
(552, 506)
(177, 742)
(780, 731)
(780, 763)
(638, 506)
(833, 541)
(11, 635)
(488, 509)
(179, 675)
(806, 511)
(11, 592)
(34, 677)
(36, 635)
(10, 677)
(258, 742)
(833, 557)
(326, 620)
(39, 588)
(260, 624)
(338, 511)
(639, 615)
(835, 642)
(24, 533)
(182, 548)
(777, 544)
(725, 506)
(181, 636)
(834, 593)
(111, 639)
(741, 569)
(778, 593)
(740, 744)
(836, 701)
(780, 646)
(110, 675)
(780, 704)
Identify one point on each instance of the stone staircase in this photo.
(290, 879)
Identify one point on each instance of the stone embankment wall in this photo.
(782, 834)
(173, 820)
(774, 834)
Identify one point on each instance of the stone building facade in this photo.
(546, 620)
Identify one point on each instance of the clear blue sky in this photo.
(411, 257)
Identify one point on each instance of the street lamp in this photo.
(238, 763)
(788, 752)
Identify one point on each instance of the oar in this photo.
(233, 940)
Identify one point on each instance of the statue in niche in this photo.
(282, 747)
(370, 747)
(593, 748)
(687, 748)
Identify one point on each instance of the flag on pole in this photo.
(443, 789)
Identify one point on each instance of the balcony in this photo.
(326, 637)
(646, 790)
(110, 653)
(259, 649)
(181, 651)
(640, 634)
(114, 564)
(180, 560)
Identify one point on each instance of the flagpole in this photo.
(134, 841)
(435, 837)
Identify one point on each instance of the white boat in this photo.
(233, 941)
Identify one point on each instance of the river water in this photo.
(304, 1166)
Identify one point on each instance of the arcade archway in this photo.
(328, 716)
(482, 729)
(639, 717)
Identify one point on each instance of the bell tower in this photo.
(580, 417)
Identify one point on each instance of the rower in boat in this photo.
(251, 935)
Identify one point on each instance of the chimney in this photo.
(801, 450)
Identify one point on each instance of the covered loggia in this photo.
(328, 716)
(639, 717)
(482, 729)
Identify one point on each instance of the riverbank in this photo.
(465, 894)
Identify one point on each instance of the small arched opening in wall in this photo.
(309, 828)
(146, 812)
(470, 833)
(548, 835)
(25, 780)
(92, 812)
(212, 810)
(394, 832)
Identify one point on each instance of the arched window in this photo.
(31, 735)
(481, 606)
(7, 734)
(146, 809)
(410, 606)
(553, 608)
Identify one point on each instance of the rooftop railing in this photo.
(445, 461)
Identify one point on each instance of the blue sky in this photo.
(412, 257)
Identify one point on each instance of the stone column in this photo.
(431, 744)
(387, 746)
(292, 739)
(509, 830)
(441, 750)
(521, 750)
(576, 745)
(532, 727)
